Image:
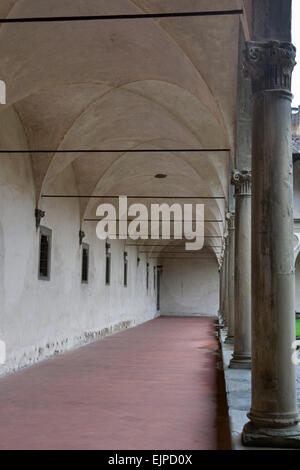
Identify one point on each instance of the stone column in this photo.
(225, 289)
(221, 290)
(241, 358)
(273, 415)
(230, 285)
(225, 281)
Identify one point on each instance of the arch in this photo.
(214, 160)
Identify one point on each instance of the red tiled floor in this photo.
(150, 387)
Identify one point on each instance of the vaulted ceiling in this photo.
(128, 84)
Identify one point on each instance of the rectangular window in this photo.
(125, 268)
(154, 277)
(107, 264)
(85, 264)
(45, 253)
(147, 276)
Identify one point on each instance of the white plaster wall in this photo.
(41, 318)
(190, 287)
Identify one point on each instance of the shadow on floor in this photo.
(222, 416)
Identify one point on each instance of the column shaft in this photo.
(242, 278)
(225, 285)
(273, 414)
(223, 290)
(273, 261)
(230, 286)
(220, 293)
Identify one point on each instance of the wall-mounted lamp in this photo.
(81, 237)
(39, 214)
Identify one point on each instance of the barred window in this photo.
(147, 276)
(45, 253)
(107, 264)
(85, 263)
(125, 268)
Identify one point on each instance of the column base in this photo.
(229, 340)
(240, 363)
(288, 437)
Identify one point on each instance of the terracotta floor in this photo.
(150, 387)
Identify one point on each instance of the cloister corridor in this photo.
(149, 387)
(149, 225)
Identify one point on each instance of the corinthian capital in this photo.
(270, 64)
(242, 182)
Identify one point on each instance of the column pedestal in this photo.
(288, 438)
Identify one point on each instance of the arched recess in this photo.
(172, 128)
(134, 52)
(197, 121)
(200, 40)
(126, 177)
(175, 75)
(142, 182)
(156, 77)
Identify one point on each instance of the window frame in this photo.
(125, 275)
(45, 231)
(85, 247)
(147, 276)
(107, 273)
